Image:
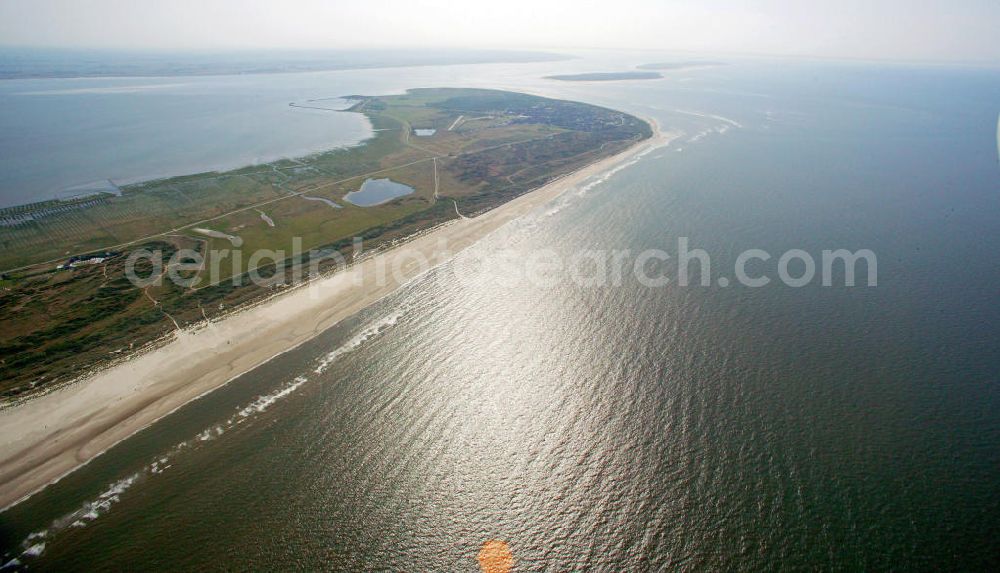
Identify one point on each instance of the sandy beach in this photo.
(47, 437)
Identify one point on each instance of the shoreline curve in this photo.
(52, 435)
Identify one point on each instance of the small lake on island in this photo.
(377, 191)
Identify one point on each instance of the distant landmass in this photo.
(56, 63)
(674, 66)
(605, 76)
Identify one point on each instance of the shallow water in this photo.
(627, 427)
(60, 135)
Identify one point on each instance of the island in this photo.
(136, 354)
(605, 76)
(435, 155)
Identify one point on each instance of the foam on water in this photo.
(719, 130)
(103, 503)
(34, 544)
(567, 198)
(265, 401)
(210, 433)
(723, 119)
(370, 331)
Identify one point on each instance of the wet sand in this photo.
(47, 437)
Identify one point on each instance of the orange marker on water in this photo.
(495, 557)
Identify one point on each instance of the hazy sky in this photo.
(886, 29)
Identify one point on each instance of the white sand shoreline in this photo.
(46, 438)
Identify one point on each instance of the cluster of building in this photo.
(82, 260)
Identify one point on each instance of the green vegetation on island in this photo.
(65, 302)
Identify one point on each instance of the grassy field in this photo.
(488, 147)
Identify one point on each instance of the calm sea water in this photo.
(626, 428)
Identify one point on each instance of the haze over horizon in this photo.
(962, 31)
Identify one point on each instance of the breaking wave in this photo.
(370, 331)
(266, 401)
(34, 544)
(568, 198)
